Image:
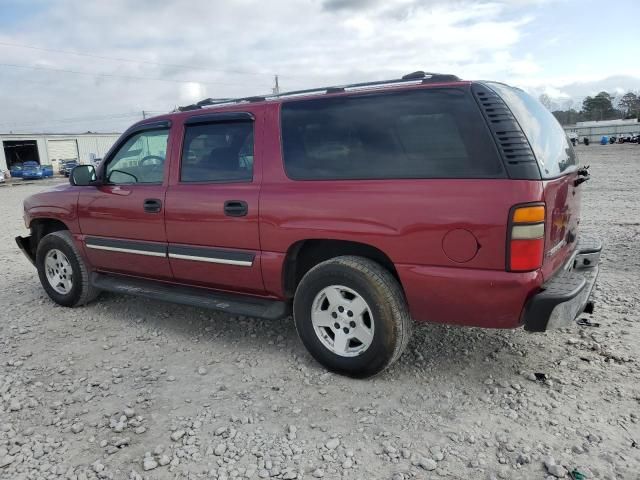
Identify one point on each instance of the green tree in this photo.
(629, 103)
(568, 117)
(599, 107)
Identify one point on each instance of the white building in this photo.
(595, 130)
(51, 148)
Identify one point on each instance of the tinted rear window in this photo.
(435, 133)
(547, 138)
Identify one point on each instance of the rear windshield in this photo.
(435, 133)
(547, 138)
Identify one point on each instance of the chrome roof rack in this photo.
(414, 77)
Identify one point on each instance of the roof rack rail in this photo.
(441, 77)
(418, 76)
(187, 108)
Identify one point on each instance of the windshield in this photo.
(548, 140)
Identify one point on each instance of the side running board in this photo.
(196, 297)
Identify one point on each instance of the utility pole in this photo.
(144, 114)
(276, 88)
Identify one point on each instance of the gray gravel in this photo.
(127, 388)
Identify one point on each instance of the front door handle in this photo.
(236, 208)
(152, 205)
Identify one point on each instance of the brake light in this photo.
(526, 238)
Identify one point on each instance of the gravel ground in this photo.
(130, 388)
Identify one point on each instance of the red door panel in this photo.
(122, 220)
(210, 245)
(126, 238)
(195, 218)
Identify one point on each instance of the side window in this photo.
(140, 160)
(548, 139)
(434, 133)
(218, 152)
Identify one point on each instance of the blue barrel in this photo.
(604, 140)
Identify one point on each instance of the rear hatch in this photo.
(558, 168)
(562, 199)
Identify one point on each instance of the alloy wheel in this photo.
(342, 321)
(58, 271)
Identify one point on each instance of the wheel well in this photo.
(304, 255)
(40, 227)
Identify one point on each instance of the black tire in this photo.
(81, 291)
(383, 295)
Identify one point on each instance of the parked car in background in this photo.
(16, 170)
(67, 166)
(32, 171)
(360, 209)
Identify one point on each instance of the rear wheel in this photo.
(62, 271)
(351, 315)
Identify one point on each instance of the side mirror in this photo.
(83, 175)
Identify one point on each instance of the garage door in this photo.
(62, 149)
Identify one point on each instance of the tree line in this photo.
(602, 106)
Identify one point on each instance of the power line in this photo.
(112, 75)
(100, 118)
(129, 60)
(114, 116)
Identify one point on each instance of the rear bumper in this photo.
(467, 297)
(566, 295)
(24, 244)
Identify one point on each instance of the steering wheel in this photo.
(149, 158)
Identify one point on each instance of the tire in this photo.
(380, 334)
(59, 249)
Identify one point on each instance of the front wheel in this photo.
(351, 315)
(62, 271)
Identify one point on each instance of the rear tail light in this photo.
(526, 238)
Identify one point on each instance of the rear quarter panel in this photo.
(405, 219)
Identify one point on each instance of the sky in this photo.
(74, 65)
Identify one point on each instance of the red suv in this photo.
(359, 209)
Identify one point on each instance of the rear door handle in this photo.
(152, 205)
(236, 208)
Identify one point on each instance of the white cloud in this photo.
(192, 92)
(525, 66)
(234, 48)
(556, 93)
(360, 25)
